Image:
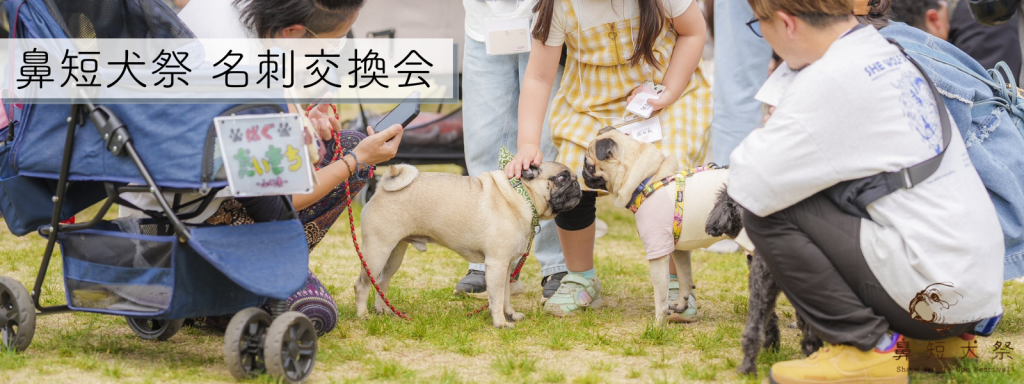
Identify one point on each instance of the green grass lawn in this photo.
(440, 343)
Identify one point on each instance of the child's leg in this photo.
(578, 247)
(580, 288)
(576, 233)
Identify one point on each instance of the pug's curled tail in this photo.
(398, 176)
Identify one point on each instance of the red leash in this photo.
(352, 228)
(351, 217)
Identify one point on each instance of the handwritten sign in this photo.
(264, 154)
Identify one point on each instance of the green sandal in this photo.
(688, 315)
(575, 294)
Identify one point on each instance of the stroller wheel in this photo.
(17, 315)
(243, 343)
(291, 347)
(154, 329)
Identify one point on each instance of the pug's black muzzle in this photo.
(592, 182)
(566, 197)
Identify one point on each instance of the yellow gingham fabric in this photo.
(600, 60)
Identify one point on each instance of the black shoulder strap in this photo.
(853, 196)
(916, 174)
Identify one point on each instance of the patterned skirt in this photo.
(313, 300)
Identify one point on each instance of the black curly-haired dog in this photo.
(762, 329)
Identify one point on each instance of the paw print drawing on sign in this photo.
(236, 135)
(283, 129)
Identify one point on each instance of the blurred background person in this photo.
(932, 16)
(740, 60)
(987, 45)
(953, 22)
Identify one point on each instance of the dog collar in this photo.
(505, 157)
(636, 192)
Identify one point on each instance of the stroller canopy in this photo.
(172, 139)
(176, 142)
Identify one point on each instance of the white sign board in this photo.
(264, 154)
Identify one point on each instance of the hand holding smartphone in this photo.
(403, 114)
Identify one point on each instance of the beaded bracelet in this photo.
(369, 167)
(350, 171)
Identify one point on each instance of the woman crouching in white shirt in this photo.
(924, 261)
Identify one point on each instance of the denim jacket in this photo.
(993, 137)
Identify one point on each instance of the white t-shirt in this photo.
(207, 19)
(592, 13)
(479, 11)
(214, 19)
(860, 110)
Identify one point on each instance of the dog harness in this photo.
(646, 188)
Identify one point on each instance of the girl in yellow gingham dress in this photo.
(613, 47)
(602, 65)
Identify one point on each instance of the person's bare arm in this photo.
(533, 105)
(692, 31)
(372, 150)
(376, 148)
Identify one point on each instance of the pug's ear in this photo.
(531, 173)
(603, 148)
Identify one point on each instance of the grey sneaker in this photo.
(551, 284)
(475, 285)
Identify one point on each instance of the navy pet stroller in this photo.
(56, 160)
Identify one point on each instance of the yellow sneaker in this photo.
(939, 356)
(843, 364)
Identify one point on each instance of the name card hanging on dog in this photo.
(646, 130)
(264, 154)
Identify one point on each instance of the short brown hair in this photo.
(817, 13)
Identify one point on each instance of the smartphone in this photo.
(403, 114)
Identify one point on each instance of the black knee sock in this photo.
(580, 217)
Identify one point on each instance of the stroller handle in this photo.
(119, 142)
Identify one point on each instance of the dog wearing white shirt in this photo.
(649, 183)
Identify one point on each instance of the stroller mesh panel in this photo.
(118, 251)
(117, 19)
(119, 267)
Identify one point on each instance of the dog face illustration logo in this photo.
(930, 305)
